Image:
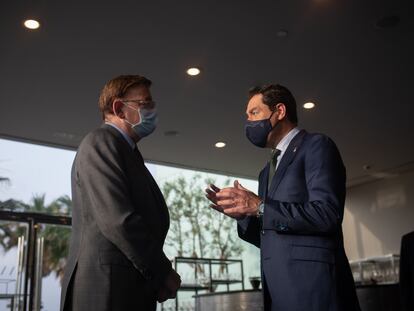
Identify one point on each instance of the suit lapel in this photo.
(287, 158)
(156, 192)
(265, 180)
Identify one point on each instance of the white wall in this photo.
(377, 215)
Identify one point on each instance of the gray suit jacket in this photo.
(120, 221)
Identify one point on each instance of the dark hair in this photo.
(117, 88)
(274, 94)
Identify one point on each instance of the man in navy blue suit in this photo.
(296, 220)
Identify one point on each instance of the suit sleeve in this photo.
(325, 183)
(248, 229)
(103, 180)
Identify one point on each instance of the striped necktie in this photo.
(272, 166)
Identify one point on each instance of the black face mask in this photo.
(257, 131)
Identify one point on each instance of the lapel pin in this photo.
(294, 150)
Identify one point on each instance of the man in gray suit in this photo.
(120, 219)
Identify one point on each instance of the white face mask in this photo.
(148, 120)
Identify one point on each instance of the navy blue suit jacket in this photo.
(302, 254)
(407, 272)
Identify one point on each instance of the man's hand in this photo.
(169, 289)
(211, 195)
(236, 202)
(162, 295)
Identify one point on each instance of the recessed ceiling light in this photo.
(309, 105)
(220, 144)
(387, 22)
(171, 133)
(65, 136)
(366, 167)
(194, 71)
(282, 33)
(31, 24)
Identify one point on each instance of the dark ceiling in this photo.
(335, 54)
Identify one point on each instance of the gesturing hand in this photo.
(211, 195)
(236, 202)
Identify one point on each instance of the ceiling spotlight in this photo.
(387, 22)
(171, 133)
(220, 144)
(282, 33)
(309, 105)
(194, 71)
(366, 167)
(31, 24)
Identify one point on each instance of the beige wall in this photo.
(377, 215)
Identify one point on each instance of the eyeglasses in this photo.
(147, 104)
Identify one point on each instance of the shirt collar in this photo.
(124, 135)
(284, 143)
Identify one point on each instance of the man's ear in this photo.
(280, 110)
(118, 108)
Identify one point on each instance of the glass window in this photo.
(37, 179)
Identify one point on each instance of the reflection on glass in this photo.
(13, 243)
(55, 250)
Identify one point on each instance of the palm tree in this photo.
(11, 231)
(56, 237)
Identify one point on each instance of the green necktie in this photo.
(272, 166)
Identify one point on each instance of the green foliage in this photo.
(11, 231)
(56, 238)
(196, 230)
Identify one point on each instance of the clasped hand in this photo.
(236, 202)
(170, 287)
